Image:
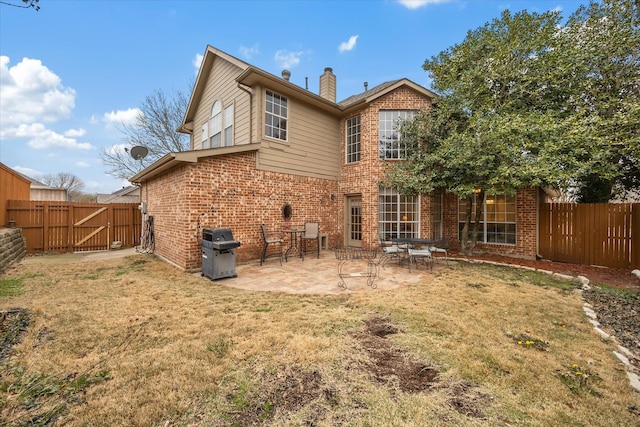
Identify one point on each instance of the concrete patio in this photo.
(320, 276)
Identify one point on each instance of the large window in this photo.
(212, 132)
(215, 125)
(397, 215)
(389, 139)
(352, 147)
(437, 214)
(498, 222)
(228, 126)
(275, 116)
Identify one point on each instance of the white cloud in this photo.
(286, 59)
(249, 52)
(30, 92)
(42, 138)
(416, 4)
(197, 62)
(348, 45)
(75, 133)
(121, 116)
(27, 171)
(81, 164)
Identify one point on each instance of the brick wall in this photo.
(526, 226)
(364, 177)
(228, 192)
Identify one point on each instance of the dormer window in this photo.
(275, 116)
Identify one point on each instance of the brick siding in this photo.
(228, 192)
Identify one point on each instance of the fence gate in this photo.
(75, 227)
(593, 234)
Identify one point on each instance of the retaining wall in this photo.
(13, 247)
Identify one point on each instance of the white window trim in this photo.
(287, 118)
(358, 153)
(484, 223)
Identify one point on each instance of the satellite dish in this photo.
(139, 152)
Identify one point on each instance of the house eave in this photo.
(172, 160)
(254, 76)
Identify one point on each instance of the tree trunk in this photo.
(464, 238)
(476, 224)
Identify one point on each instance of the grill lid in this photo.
(221, 238)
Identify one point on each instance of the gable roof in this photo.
(253, 75)
(381, 90)
(210, 54)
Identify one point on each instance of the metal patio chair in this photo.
(271, 238)
(311, 233)
(440, 247)
(416, 255)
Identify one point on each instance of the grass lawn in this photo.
(136, 342)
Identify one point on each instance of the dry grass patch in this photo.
(135, 342)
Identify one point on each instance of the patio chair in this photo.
(389, 252)
(440, 247)
(420, 254)
(270, 238)
(311, 233)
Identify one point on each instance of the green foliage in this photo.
(527, 101)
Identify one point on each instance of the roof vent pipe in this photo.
(286, 74)
(366, 86)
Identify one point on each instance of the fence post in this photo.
(45, 227)
(635, 236)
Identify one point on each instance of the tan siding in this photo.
(221, 85)
(313, 146)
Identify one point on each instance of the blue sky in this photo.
(73, 71)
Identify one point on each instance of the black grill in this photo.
(218, 253)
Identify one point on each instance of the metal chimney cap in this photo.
(286, 74)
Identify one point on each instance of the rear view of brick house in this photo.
(259, 142)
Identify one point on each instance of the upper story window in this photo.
(212, 135)
(275, 116)
(390, 145)
(352, 148)
(215, 125)
(228, 126)
(498, 224)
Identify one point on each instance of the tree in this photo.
(27, 4)
(505, 119)
(155, 128)
(603, 39)
(70, 182)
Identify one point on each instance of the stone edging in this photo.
(623, 354)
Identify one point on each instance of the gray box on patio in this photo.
(218, 253)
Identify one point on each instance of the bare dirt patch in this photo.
(398, 369)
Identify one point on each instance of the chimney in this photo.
(366, 86)
(286, 74)
(328, 85)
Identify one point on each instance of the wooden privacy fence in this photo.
(593, 234)
(74, 227)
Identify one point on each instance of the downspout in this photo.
(249, 90)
